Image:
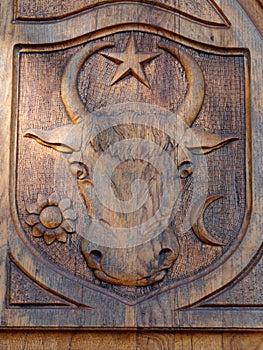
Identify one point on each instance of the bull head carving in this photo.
(90, 135)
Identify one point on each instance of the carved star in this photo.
(130, 62)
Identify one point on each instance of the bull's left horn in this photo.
(69, 84)
(193, 101)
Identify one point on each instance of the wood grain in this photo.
(204, 11)
(101, 293)
(124, 87)
(130, 341)
(254, 9)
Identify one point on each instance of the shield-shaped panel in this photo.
(130, 163)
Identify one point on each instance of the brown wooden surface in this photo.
(130, 341)
(254, 9)
(200, 60)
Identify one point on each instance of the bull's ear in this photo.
(202, 142)
(62, 139)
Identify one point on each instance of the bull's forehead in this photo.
(133, 114)
(148, 140)
(121, 132)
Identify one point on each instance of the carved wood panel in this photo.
(205, 11)
(106, 87)
(132, 166)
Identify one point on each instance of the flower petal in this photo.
(70, 214)
(32, 208)
(49, 236)
(53, 199)
(64, 204)
(32, 219)
(62, 238)
(38, 230)
(61, 235)
(69, 226)
(41, 201)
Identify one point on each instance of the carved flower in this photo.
(51, 218)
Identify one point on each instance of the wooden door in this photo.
(131, 174)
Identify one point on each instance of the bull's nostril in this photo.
(95, 255)
(94, 259)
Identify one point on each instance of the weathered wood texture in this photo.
(130, 341)
(222, 140)
(79, 81)
(205, 10)
(254, 9)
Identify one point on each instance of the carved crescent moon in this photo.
(69, 83)
(197, 221)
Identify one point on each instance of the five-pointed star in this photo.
(130, 62)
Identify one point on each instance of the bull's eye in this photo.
(79, 170)
(185, 170)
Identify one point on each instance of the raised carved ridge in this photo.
(204, 11)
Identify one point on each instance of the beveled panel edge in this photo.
(96, 4)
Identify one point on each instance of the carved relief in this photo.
(130, 62)
(51, 218)
(147, 166)
(205, 11)
(76, 141)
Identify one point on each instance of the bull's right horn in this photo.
(193, 101)
(69, 84)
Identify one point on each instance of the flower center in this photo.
(51, 217)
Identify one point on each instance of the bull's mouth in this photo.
(137, 266)
(141, 282)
